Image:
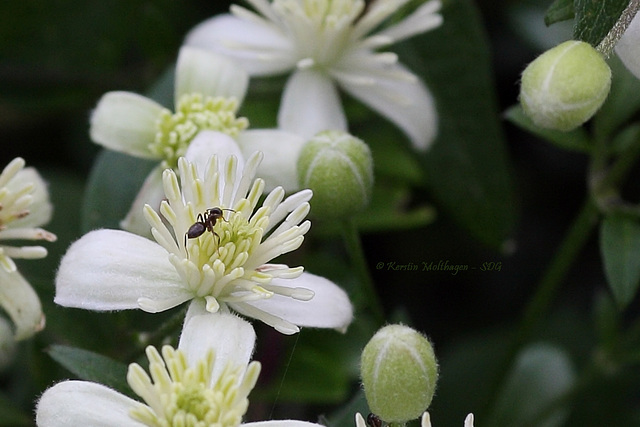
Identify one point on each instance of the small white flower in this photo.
(205, 382)
(328, 42)
(24, 207)
(225, 266)
(628, 47)
(208, 92)
(425, 421)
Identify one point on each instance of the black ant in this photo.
(205, 222)
(374, 421)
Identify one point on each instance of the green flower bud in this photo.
(339, 169)
(399, 373)
(565, 86)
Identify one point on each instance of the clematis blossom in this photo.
(225, 266)
(205, 381)
(327, 44)
(24, 207)
(209, 90)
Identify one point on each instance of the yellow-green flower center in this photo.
(179, 395)
(231, 242)
(194, 113)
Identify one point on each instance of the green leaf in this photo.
(622, 103)
(542, 374)
(467, 168)
(91, 366)
(595, 18)
(620, 249)
(607, 320)
(575, 140)
(113, 184)
(560, 10)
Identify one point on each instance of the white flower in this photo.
(208, 92)
(206, 381)
(425, 421)
(328, 42)
(24, 207)
(226, 266)
(628, 47)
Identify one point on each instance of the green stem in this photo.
(601, 181)
(368, 291)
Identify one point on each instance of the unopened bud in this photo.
(339, 169)
(399, 373)
(562, 88)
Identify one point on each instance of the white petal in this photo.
(40, 209)
(232, 338)
(151, 193)
(628, 47)
(259, 49)
(423, 19)
(82, 403)
(21, 303)
(329, 308)
(310, 104)
(111, 269)
(210, 74)
(405, 101)
(281, 150)
(209, 143)
(468, 422)
(125, 122)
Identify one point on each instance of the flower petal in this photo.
(21, 303)
(112, 269)
(310, 104)
(82, 403)
(395, 93)
(260, 49)
(423, 19)
(125, 122)
(209, 143)
(151, 193)
(628, 47)
(210, 74)
(232, 338)
(329, 308)
(281, 150)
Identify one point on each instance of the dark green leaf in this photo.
(91, 366)
(625, 139)
(607, 320)
(622, 103)
(620, 249)
(113, 184)
(560, 10)
(467, 169)
(541, 375)
(575, 140)
(595, 18)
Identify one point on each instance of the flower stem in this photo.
(367, 290)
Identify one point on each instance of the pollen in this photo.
(194, 113)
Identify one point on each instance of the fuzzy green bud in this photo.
(562, 88)
(338, 167)
(399, 373)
